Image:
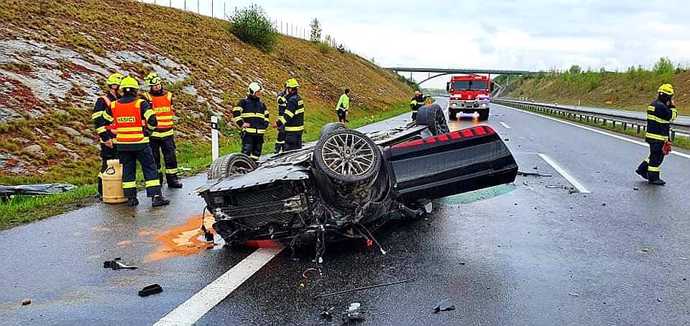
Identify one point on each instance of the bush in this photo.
(664, 66)
(324, 47)
(252, 25)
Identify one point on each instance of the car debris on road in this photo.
(443, 306)
(150, 290)
(116, 264)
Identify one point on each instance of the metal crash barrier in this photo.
(582, 114)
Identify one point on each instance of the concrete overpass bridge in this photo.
(438, 72)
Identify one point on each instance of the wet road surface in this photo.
(534, 253)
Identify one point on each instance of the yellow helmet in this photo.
(152, 79)
(114, 79)
(129, 82)
(666, 89)
(291, 83)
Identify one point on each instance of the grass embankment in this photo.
(193, 157)
(632, 90)
(219, 72)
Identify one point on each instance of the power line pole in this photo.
(198, 11)
(212, 8)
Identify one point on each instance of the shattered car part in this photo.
(350, 183)
(116, 264)
(35, 189)
(150, 290)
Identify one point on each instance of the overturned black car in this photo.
(350, 183)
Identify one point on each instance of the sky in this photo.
(499, 34)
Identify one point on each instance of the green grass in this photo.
(24, 209)
(193, 158)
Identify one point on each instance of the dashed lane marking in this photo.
(505, 125)
(203, 301)
(595, 130)
(579, 186)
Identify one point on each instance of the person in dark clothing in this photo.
(282, 104)
(129, 114)
(293, 120)
(163, 137)
(105, 134)
(659, 116)
(252, 116)
(416, 103)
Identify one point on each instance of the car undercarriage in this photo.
(348, 184)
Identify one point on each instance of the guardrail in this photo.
(614, 119)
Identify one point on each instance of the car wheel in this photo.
(331, 127)
(432, 116)
(347, 156)
(229, 165)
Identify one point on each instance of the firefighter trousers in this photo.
(129, 159)
(293, 140)
(251, 145)
(167, 146)
(653, 163)
(280, 141)
(107, 153)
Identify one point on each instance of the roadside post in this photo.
(214, 138)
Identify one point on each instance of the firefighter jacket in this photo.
(252, 111)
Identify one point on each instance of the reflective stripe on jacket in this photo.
(162, 106)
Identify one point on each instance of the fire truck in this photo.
(469, 94)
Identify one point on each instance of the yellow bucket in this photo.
(112, 183)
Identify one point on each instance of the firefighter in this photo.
(163, 138)
(252, 116)
(282, 103)
(108, 151)
(659, 116)
(343, 106)
(131, 116)
(416, 103)
(293, 120)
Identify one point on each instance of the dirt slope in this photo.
(54, 56)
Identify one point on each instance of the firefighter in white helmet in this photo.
(252, 116)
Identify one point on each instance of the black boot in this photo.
(131, 202)
(657, 182)
(173, 181)
(642, 172)
(159, 200)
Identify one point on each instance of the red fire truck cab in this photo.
(469, 94)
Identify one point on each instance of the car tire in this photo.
(433, 117)
(229, 165)
(331, 127)
(347, 156)
(484, 115)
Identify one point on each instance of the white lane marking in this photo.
(580, 188)
(505, 125)
(595, 130)
(203, 301)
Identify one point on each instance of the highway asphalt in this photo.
(537, 252)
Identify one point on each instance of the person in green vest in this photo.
(343, 106)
